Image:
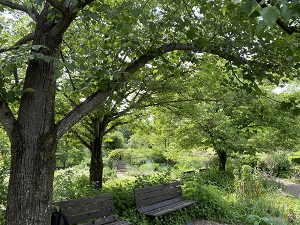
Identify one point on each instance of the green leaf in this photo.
(254, 14)
(39, 2)
(46, 58)
(29, 90)
(36, 47)
(190, 34)
(270, 15)
(285, 12)
(136, 11)
(155, 71)
(73, 1)
(72, 66)
(10, 96)
(57, 74)
(117, 75)
(248, 7)
(296, 111)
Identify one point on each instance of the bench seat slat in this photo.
(87, 216)
(157, 199)
(106, 208)
(161, 199)
(169, 208)
(90, 211)
(159, 205)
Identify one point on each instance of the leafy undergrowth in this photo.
(231, 198)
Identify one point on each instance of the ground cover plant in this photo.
(235, 196)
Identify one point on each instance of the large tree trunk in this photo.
(222, 160)
(96, 166)
(33, 140)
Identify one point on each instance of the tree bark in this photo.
(96, 166)
(33, 137)
(222, 160)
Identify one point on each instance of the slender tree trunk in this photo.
(222, 160)
(34, 141)
(96, 166)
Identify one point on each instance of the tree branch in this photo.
(23, 40)
(81, 110)
(81, 139)
(82, 4)
(31, 12)
(7, 118)
(98, 97)
(141, 61)
(285, 27)
(57, 5)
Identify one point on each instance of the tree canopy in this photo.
(101, 49)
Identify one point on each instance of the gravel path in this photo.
(293, 188)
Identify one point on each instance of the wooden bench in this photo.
(122, 166)
(160, 200)
(94, 210)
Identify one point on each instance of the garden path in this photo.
(293, 188)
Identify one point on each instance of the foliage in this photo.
(70, 152)
(114, 141)
(120, 154)
(248, 182)
(72, 183)
(277, 164)
(127, 43)
(296, 161)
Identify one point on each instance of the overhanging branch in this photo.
(100, 96)
(23, 40)
(31, 12)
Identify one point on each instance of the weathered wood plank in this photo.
(90, 210)
(161, 199)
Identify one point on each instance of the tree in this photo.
(224, 116)
(32, 66)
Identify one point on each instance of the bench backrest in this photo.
(83, 209)
(155, 194)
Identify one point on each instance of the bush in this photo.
(276, 165)
(211, 205)
(4, 177)
(120, 154)
(221, 179)
(72, 183)
(296, 161)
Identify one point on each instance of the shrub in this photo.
(248, 182)
(120, 154)
(72, 183)
(211, 204)
(4, 177)
(296, 161)
(276, 165)
(221, 179)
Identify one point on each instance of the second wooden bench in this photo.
(160, 200)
